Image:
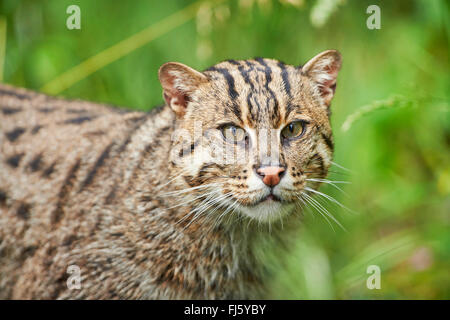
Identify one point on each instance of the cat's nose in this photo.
(271, 176)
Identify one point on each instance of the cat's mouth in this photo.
(270, 197)
(269, 206)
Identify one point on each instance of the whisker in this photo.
(235, 205)
(306, 207)
(340, 167)
(201, 205)
(327, 180)
(171, 179)
(325, 211)
(205, 206)
(232, 206)
(319, 211)
(208, 202)
(332, 183)
(330, 198)
(188, 190)
(191, 200)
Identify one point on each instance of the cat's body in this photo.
(87, 185)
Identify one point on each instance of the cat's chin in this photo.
(268, 210)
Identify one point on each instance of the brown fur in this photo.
(88, 185)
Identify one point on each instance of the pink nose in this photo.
(271, 176)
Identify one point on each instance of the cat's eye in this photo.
(293, 130)
(233, 134)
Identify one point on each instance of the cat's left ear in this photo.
(323, 70)
(179, 82)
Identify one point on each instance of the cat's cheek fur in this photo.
(325, 153)
(254, 183)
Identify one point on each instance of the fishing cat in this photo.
(152, 205)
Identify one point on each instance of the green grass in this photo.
(390, 114)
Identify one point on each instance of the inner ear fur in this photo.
(323, 70)
(179, 82)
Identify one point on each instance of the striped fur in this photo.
(85, 184)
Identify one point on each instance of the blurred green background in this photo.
(393, 96)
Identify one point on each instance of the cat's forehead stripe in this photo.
(229, 79)
(271, 100)
(269, 89)
(285, 76)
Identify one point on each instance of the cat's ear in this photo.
(323, 70)
(179, 82)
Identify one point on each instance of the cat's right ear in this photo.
(179, 82)
(323, 70)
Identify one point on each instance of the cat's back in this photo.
(63, 164)
(46, 144)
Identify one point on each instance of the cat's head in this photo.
(252, 136)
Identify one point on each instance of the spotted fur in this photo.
(139, 202)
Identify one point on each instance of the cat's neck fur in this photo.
(220, 260)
